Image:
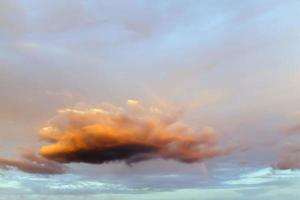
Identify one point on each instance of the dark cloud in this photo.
(32, 163)
(109, 133)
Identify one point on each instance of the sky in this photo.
(149, 99)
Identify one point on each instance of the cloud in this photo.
(289, 157)
(293, 130)
(289, 153)
(109, 133)
(287, 162)
(32, 163)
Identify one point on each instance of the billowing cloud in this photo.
(109, 133)
(32, 163)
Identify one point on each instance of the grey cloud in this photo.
(32, 163)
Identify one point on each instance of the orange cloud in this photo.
(132, 134)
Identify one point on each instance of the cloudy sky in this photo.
(150, 99)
